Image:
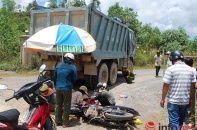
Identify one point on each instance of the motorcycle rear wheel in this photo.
(49, 125)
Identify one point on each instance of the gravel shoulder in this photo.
(143, 95)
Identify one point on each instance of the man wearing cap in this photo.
(168, 63)
(79, 95)
(65, 75)
(48, 93)
(127, 74)
(179, 82)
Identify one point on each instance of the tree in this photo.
(13, 25)
(53, 5)
(149, 37)
(127, 15)
(174, 39)
(77, 3)
(8, 5)
(29, 7)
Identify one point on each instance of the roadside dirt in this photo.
(143, 95)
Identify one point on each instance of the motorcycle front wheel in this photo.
(49, 124)
(119, 116)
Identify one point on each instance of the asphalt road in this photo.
(143, 95)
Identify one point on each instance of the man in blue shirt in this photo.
(65, 75)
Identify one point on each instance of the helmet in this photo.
(44, 87)
(104, 85)
(45, 90)
(83, 88)
(167, 53)
(176, 55)
(99, 85)
(69, 55)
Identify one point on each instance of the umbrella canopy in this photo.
(66, 39)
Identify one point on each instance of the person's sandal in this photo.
(58, 124)
(68, 125)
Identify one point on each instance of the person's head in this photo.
(158, 53)
(46, 73)
(84, 90)
(176, 55)
(189, 61)
(45, 90)
(124, 68)
(101, 86)
(69, 57)
(167, 53)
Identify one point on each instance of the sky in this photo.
(168, 14)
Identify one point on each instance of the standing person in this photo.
(65, 74)
(168, 63)
(157, 59)
(179, 80)
(189, 61)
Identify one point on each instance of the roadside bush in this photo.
(145, 59)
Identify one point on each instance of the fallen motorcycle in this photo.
(112, 116)
(38, 117)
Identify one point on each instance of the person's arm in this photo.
(129, 72)
(79, 96)
(51, 99)
(164, 93)
(192, 89)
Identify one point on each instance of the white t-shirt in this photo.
(157, 60)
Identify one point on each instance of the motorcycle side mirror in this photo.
(42, 68)
(3, 86)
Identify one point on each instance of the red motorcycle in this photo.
(38, 117)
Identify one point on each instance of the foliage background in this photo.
(14, 22)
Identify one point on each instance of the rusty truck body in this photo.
(115, 42)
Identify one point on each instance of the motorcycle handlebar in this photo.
(9, 99)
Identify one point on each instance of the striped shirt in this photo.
(179, 76)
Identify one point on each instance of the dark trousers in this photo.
(157, 70)
(63, 104)
(104, 101)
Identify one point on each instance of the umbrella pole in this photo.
(62, 54)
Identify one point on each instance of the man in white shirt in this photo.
(157, 59)
(179, 82)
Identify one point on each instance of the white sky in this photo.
(165, 14)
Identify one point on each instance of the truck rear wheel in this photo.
(103, 73)
(129, 63)
(112, 73)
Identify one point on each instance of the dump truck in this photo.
(115, 42)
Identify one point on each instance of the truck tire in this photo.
(103, 73)
(113, 70)
(130, 64)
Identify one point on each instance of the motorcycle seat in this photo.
(118, 112)
(9, 115)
